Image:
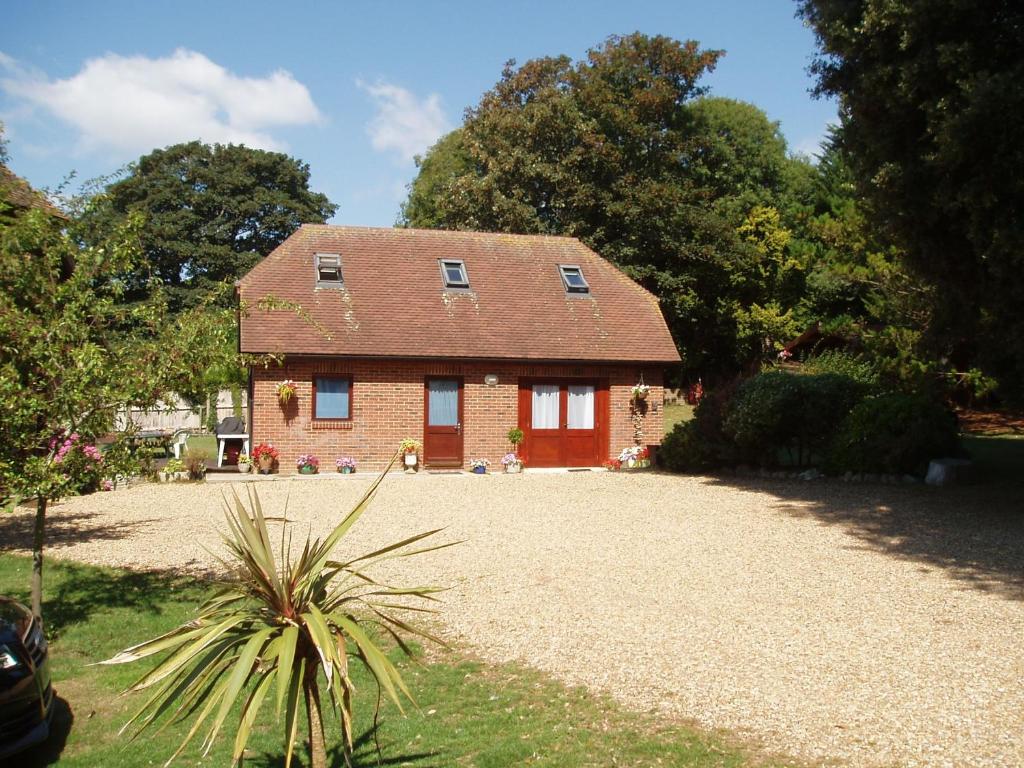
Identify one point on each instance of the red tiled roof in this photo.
(394, 303)
(16, 192)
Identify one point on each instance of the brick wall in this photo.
(387, 405)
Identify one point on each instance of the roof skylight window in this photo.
(328, 270)
(454, 273)
(572, 277)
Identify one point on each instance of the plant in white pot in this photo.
(244, 462)
(410, 450)
(512, 463)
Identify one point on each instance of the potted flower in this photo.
(635, 457)
(244, 462)
(308, 464)
(613, 465)
(410, 449)
(640, 391)
(479, 466)
(512, 463)
(286, 391)
(265, 455)
(346, 465)
(173, 470)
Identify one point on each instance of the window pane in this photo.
(442, 403)
(545, 406)
(581, 406)
(454, 273)
(332, 398)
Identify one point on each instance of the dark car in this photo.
(26, 696)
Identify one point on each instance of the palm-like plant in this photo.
(273, 630)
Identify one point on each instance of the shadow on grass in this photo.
(83, 590)
(49, 751)
(364, 755)
(972, 533)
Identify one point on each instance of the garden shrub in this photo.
(781, 417)
(894, 433)
(843, 364)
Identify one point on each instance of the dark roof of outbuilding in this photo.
(394, 302)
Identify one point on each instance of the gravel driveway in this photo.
(870, 625)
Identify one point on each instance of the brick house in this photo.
(451, 338)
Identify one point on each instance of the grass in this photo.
(469, 714)
(997, 458)
(674, 413)
(205, 443)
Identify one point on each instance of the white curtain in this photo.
(545, 406)
(581, 406)
(443, 403)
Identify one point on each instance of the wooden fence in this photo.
(176, 414)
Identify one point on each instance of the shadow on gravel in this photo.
(61, 528)
(974, 534)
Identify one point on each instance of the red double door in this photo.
(564, 421)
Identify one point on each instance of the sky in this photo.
(356, 90)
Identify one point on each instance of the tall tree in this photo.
(210, 213)
(932, 115)
(625, 151)
(443, 163)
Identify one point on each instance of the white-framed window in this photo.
(328, 270)
(572, 278)
(453, 271)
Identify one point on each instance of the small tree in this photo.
(72, 354)
(274, 628)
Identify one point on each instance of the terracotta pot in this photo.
(266, 464)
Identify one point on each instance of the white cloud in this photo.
(404, 124)
(132, 104)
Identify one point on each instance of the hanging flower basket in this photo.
(640, 391)
(286, 391)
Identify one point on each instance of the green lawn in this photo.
(997, 458)
(470, 713)
(676, 413)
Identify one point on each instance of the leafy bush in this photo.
(894, 433)
(195, 464)
(779, 413)
(843, 364)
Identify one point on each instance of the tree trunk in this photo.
(317, 745)
(37, 558)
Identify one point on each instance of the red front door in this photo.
(563, 422)
(442, 422)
